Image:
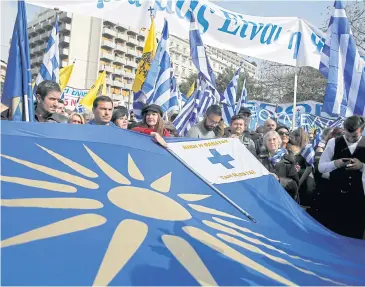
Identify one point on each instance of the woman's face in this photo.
(122, 122)
(76, 120)
(272, 144)
(151, 119)
(284, 135)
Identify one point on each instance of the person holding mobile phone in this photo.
(344, 159)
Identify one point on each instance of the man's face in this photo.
(354, 136)
(60, 108)
(270, 125)
(211, 121)
(103, 112)
(50, 102)
(238, 126)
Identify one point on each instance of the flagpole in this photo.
(295, 97)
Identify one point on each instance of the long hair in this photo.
(299, 138)
(159, 127)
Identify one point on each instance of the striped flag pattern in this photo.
(346, 70)
(50, 66)
(317, 139)
(242, 102)
(308, 154)
(200, 58)
(230, 95)
(188, 116)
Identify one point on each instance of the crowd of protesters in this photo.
(331, 188)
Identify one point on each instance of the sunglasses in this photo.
(284, 134)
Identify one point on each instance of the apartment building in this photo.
(96, 45)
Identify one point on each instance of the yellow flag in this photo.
(144, 64)
(96, 90)
(191, 90)
(65, 74)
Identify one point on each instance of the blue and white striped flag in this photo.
(317, 139)
(230, 95)
(346, 70)
(200, 58)
(308, 154)
(242, 101)
(174, 103)
(50, 66)
(188, 116)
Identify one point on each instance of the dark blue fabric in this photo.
(74, 258)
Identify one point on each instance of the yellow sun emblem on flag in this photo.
(151, 202)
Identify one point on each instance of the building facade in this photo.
(96, 45)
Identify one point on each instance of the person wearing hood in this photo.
(280, 164)
(152, 121)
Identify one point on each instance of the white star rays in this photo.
(130, 233)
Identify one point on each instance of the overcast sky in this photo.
(313, 11)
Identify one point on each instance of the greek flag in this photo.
(50, 66)
(188, 116)
(242, 102)
(308, 154)
(317, 138)
(174, 104)
(346, 70)
(200, 58)
(230, 95)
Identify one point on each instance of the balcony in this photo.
(107, 56)
(123, 37)
(64, 63)
(109, 81)
(48, 24)
(109, 32)
(130, 64)
(37, 39)
(107, 44)
(120, 48)
(41, 49)
(106, 68)
(140, 44)
(119, 60)
(32, 31)
(116, 97)
(65, 17)
(129, 75)
(108, 23)
(65, 40)
(133, 31)
(117, 84)
(45, 36)
(132, 41)
(64, 53)
(121, 28)
(128, 87)
(118, 72)
(131, 52)
(65, 28)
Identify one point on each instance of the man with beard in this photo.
(344, 159)
(205, 128)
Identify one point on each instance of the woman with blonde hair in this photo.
(152, 121)
(76, 119)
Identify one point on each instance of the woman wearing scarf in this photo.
(280, 164)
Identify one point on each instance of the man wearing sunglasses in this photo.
(205, 128)
(344, 159)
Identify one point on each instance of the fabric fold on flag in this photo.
(242, 101)
(50, 66)
(17, 91)
(65, 75)
(345, 88)
(96, 90)
(230, 95)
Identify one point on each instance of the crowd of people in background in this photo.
(330, 187)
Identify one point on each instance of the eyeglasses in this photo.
(213, 123)
(284, 134)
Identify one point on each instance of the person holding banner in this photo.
(152, 122)
(280, 164)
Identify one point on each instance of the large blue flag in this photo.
(74, 214)
(345, 69)
(17, 92)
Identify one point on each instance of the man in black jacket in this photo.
(47, 95)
